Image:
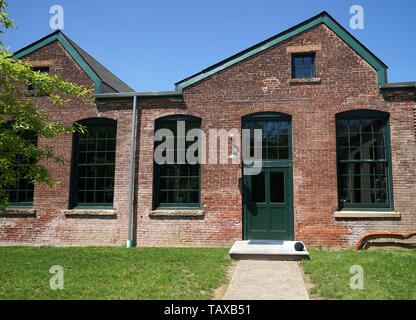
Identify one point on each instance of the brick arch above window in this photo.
(278, 109)
(362, 113)
(339, 109)
(166, 114)
(175, 116)
(92, 120)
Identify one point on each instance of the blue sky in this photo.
(153, 44)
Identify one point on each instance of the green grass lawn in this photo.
(388, 274)
(113, 273)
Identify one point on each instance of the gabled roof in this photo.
(95, 70)
(322, 17)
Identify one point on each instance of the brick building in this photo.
(338, 150)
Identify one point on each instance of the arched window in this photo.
(364, 160)
(21, 193)
(93, 164)
(177, 184)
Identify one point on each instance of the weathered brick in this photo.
(347, 82)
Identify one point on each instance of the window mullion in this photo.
(360, 165)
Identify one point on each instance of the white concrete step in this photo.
(267, 250)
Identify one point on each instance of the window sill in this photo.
(90, 212)
(29, 212)
(304, 81)
(176, 213)
(366, 214)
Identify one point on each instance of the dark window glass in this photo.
(277, 187)
(303, 65)
(43, 70)
(177, 184)
(258, 188)
(275, 138)
(362, 162)
(94, 163)
(21, 194)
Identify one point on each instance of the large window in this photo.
(364, 160)
(94, 163)
(303, 65)
(177, 185)
(21, 194)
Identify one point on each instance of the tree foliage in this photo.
(20, 115)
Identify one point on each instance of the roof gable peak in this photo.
(94, 70)
(321, 18)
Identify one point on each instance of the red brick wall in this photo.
(50, 226)
(347, 83)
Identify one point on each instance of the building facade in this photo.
(338, 150)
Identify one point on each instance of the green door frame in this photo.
(288, 186)
(287, 163)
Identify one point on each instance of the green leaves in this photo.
(21, 112)
(5, 21)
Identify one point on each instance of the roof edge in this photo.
(145, 94)
(398, 86)
(323, 17)
(60, 36)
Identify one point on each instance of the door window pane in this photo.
(277, 187)
(258, 190)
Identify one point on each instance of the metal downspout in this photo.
(133, 130)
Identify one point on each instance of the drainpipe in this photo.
(133, 130)
(172, 95)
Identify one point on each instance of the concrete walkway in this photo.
(266, 280)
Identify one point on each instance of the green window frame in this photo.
(21, 195)
(364, 160)
(93, 164)
(276, 135)
(177, 185)
(303, 65)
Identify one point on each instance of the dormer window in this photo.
(303, 65)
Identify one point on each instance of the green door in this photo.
(268, 204)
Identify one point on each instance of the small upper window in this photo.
(303, 65)
(42, 70)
